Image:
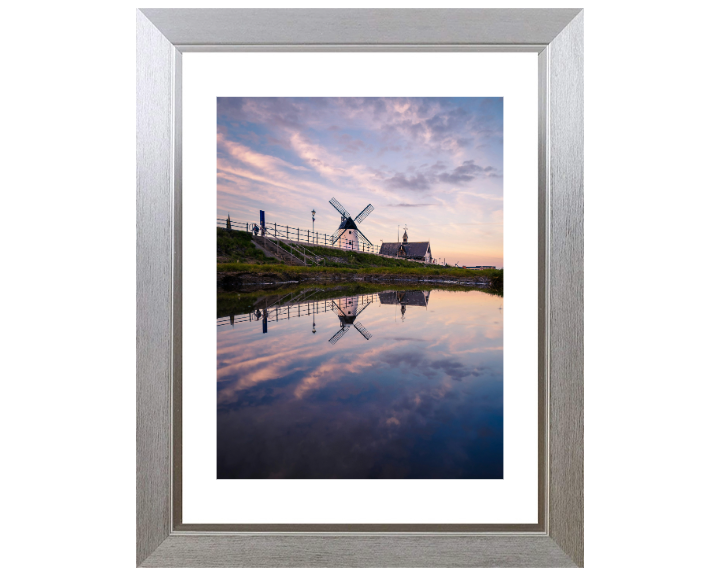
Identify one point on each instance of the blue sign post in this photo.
(262, 222)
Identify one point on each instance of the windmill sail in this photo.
(336, 236)
(362, 236)
(339, 207)
(364, 214)
(339, 334)
(363, 308)
(352, 238)
(364, 331)
(337, 308)
(347, 321)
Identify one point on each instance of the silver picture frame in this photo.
(163, 540)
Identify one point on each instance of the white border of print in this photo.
(511, 500)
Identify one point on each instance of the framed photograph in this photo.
(332, 369)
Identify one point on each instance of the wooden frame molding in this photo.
(163, 540)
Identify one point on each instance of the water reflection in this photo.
(415, 393)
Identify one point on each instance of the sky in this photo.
(434, 165)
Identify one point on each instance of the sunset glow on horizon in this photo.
(433, 164)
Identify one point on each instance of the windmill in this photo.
(348, 234)
(347, 312)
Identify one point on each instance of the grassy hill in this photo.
(396, 271)
(236, 246)
(335, 258)
(238, 255)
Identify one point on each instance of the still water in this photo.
(397, 384)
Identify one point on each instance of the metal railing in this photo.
(300, 235)
(283, 253)
(297, 251)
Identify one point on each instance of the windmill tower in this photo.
(347, 235)
(348, 311)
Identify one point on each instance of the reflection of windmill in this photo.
(348, 311)
(348, 233)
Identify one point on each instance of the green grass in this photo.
(419, 271)
(351, 259)
(238, 246)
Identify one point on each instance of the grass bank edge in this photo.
(422, 272)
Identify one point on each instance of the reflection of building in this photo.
(347, 308)
(406, 298)
(409, 250)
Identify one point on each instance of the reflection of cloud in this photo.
(329, 372)
(318, 378)
(241, 367)
(494, 331)
(442, 390)
(406, 205)
(398, 406)
(441, 341)
(418, 362)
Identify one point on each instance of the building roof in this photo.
(412, 249)
(348, 224)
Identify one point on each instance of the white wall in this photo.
(68, 323)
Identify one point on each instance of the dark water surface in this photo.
(388, 385)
